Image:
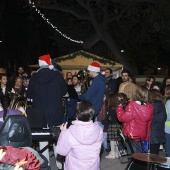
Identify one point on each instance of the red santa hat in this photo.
(94, 66)
(45, 60)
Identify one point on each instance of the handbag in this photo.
(145, 146)
(122, 137)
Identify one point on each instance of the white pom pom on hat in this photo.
(45, 60)
(94, 66)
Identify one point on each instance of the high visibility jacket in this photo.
(167, 123)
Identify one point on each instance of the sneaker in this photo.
(110, 156)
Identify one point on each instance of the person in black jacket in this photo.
(112, 83)
(46, 88)
(71, 101)
(157, 135)
(5, 89)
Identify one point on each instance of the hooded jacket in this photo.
(158, 124)
(46, 88)
(137, 120)
(95, 93)
(81, 145)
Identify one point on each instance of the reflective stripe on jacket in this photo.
(167, 123)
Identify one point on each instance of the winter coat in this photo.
(95, 93)
(129, 90)
(112, 117)
(81, 145)
(14, 155)
(7, 91)
(46, 88)
(137, 120)
(112, 85)
(158, 124)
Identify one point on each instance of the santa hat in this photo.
(94, 66)
(45, 60)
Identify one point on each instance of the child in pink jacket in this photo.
(81, 142)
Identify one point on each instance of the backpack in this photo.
(15, 132)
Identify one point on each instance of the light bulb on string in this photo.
(54, 27)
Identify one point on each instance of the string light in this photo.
(54, 27)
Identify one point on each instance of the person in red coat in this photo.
(137, 119)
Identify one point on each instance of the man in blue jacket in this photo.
(95, 93)
(46, 88)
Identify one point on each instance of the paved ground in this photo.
(106, 164)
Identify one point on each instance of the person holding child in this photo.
(81, 142)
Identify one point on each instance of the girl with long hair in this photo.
(5, 103)
(157, 136)
(112, 102)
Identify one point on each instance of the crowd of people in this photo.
(89, 120)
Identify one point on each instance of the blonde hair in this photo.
(141, 94)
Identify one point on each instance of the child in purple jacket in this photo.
(6, 111)
(81, 142)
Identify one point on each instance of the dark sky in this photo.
(26, 36)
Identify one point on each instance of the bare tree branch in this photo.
(83, 5)
(56, 7)
(89, 43)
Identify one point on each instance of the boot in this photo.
(116, 150)
(112, 152)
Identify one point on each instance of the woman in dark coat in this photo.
(157, 135)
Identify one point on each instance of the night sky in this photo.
(26, 36)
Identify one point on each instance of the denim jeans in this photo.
(101, 125)
(104, 136)
(105, 140)
(167, 145)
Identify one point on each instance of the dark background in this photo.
(141, 28)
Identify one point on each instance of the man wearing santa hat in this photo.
(46, 88)
(95, 92)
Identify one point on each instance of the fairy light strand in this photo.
(54, 27)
